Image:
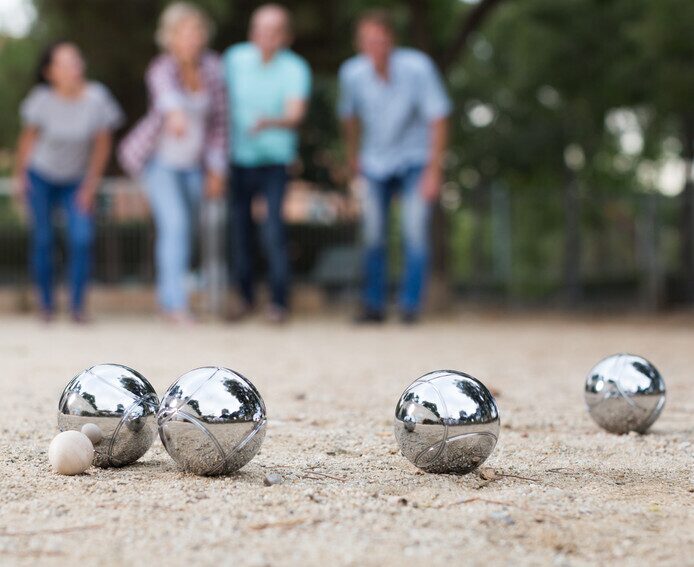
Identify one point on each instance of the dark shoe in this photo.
(79, 318)
(47, 315)
(178, 318)
(369, 317)
(239, 311)
(409, 318)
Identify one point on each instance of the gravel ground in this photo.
(562, 492)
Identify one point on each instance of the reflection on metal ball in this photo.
(121, 403)
(624, 393)
(212, 421)
(446, 422)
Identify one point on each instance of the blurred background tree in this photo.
(569, 174)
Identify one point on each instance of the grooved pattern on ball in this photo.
(212, 421)
(135, 432)
(624, 392)
(429, 455)
(446, 421)
(191, 444)
(120, 402)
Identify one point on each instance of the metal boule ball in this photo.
(212, 421)
(118, 403)
(446, 422)
(624, 393)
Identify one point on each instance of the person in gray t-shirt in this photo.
(63, 150)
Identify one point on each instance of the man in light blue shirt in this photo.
(269, 86)
(394, 110)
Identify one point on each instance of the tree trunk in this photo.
(472, 22)
(422, 37)
(572, 240)
(502, 235)
(479, 264)
(419, 25)
(649, 253)
(687, 212)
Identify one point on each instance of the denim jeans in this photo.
(44, 197)
(174, 197)
(270, 181)
(415, 219)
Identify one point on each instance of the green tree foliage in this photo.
(17, 61)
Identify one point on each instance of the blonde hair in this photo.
(173, 15)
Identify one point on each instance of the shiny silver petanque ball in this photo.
(115, 406)
(446, 422)
(624, 392)
(212, 421)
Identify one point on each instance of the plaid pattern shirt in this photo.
(165, 93)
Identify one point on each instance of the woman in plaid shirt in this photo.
(179, 149)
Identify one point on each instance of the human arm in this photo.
(217, 133)
(436, 106)
(165, 93)
(298, 88)
(351, 126)
(110, 118)
(25, 145)
(294, 114)
(432, 176)
(351, 133)
(32, 113)
(98, 160)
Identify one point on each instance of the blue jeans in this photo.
(174, 197)
(44, 197)
(416, 214)
(270, 181)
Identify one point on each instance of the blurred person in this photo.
(63, 149)
(179, 149)
(394, 110)
(269, 86)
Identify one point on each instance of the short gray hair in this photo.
(282, 11)
(173, 15)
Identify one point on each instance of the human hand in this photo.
(214, 185)
(19, 187)
(86, 197)
(430, 184)
(354, 167)
(176, 123)
(261, 124)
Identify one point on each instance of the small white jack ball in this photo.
(93, 431)
(70, 452)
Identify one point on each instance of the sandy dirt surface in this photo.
(566, 493)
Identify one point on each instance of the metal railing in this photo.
(497, 245)
(124, 243)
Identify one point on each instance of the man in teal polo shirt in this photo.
(268, 86)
